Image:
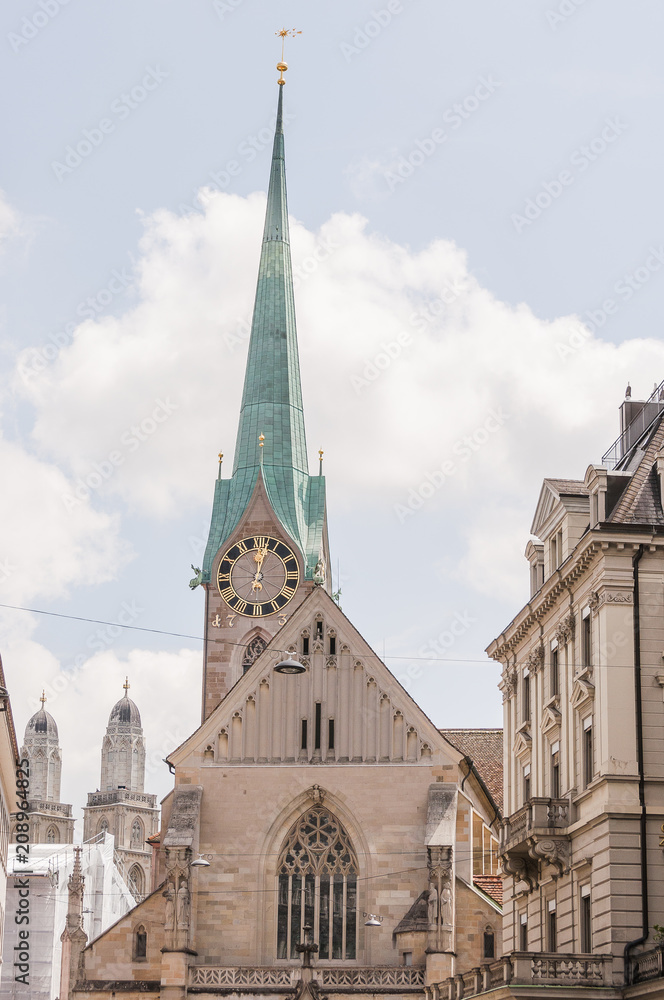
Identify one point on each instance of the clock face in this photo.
(258, 576)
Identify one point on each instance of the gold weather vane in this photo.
(283, 66)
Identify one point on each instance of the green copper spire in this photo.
(272, 396)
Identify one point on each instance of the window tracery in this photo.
(317, 875)
(253, 651)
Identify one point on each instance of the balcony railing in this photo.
(539, 814)
(647, 965)
(530, 969)
(387, 979)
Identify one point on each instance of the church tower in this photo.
(120, 806)
(51, 821)
(323, 836)
(268, 545)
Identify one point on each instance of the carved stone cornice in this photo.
(606, 596)
(508, 681)
(520, 868)
(566, 629)
(554, 851)
(536, 611)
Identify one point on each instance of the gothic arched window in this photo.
(103, 825)
(51, 835)
(136, 881)
(137, 834)
(140, 943)
(317, 886)
(253, 651)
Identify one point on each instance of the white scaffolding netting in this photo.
(106, 898)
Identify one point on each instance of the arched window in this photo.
(103, 825)
(140, 943)
(51, 835)
(489, 942)
(253, 651)
(136, 881)
(317, 886)
(137, 833)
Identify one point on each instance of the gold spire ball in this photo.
(283, 66)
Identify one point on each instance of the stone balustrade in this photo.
(527, 969)
(388, 979)
(538, 815)
(647, 965)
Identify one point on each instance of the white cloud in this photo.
(490, 388)
(45, 549)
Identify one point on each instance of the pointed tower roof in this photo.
(272, 397)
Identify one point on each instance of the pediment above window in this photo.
(522, 744)
(583, 693)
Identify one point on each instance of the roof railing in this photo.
(646, 416)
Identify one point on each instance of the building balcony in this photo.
(527, 969)
(646, 966)
(537, 832)
(341, 979)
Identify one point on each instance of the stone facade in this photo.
(122, 808)
(322, 835)
(50, 820)
(582, 682)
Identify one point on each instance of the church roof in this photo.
(485, 748)
(272, 398)
(124, 713)
(492, 885)
(42, 723)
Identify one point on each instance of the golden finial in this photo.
(221, 458)
(283, 66)
(320, 459)
(43, 698)
(261, 439)
(126, 686)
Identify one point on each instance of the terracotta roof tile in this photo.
(492, 885)
(485, 748)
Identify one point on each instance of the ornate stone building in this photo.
(120, 806)
(51, 821)
(582, 681)
(323, 836)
